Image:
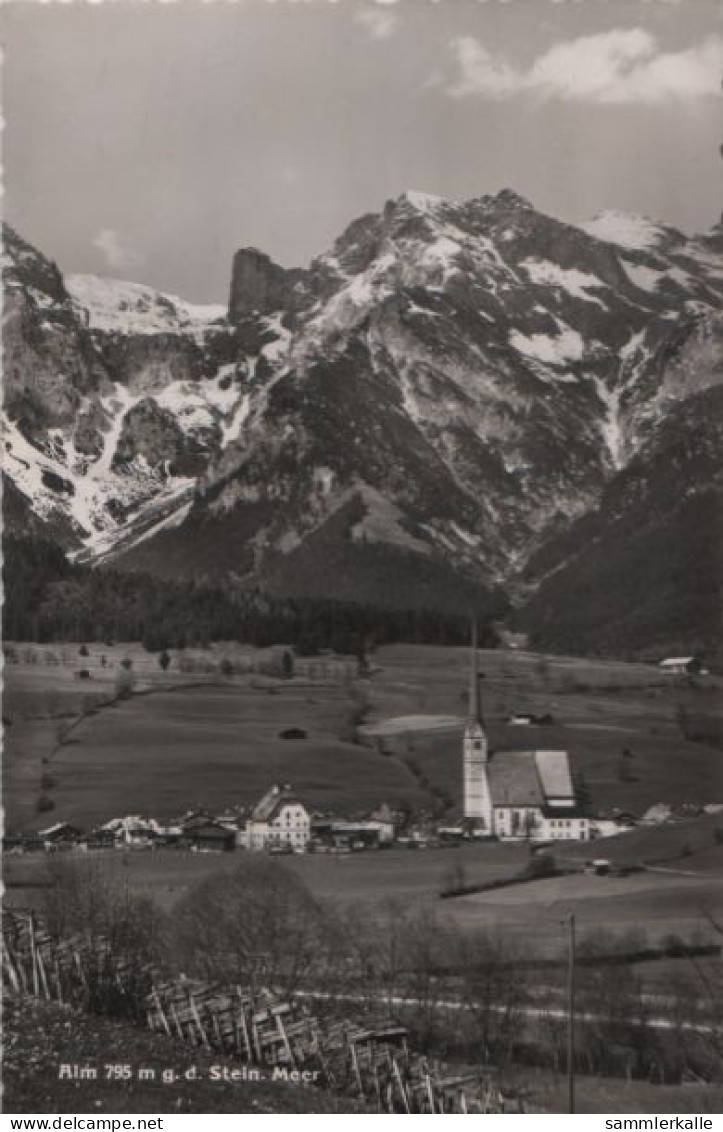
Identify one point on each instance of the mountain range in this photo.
(455, 399)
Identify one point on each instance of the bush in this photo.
(226, 667)
(83, 651)
(541, 865)
(164, 661)
(292, 733)
(83, 674)
(256, 923)
(127, 663)
(44, 804)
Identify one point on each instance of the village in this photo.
(282, 824)
(508, 796)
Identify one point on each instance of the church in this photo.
(516, 795)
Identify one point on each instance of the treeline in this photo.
(48, 599)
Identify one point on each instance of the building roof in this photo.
(671, 661)
(553, 768)
(60, 827)
(272, 801)
(513, 779)
(529, 778)
(209, 828)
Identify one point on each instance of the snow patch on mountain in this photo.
(117, 406)
(568, 346)
(61, 482)
(423, 202)
(624, 230)
(611, 425)
(119, 307)
(574, 282)
(644, 278)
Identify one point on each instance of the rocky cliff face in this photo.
(260, 286)
(450, 384)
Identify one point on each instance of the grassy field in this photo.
(193, 737)
(412, 878)
(600, 709)
(653, 904)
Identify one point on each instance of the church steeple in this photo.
(475, 752)
(474, 707)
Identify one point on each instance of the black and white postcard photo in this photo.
(362, 561)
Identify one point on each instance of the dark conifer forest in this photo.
(48, 598)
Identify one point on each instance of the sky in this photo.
(149, 141)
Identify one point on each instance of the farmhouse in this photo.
(279, 820)
(683, 665)
(62, 833)
(516, 795)
(354, 834)
(207, 835)
(133, 832)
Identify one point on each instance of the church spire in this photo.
(474, 707)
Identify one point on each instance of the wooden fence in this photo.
(369, 1059)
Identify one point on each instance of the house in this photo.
(133, 832)
(657, 814)
(279, 819)
(612, 823)
(354, 834)
(683, 666)
(102, 838)
(207, 835)
(521, 719)
(516, 795)
(62, 834)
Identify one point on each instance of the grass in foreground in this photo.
(39, 1037)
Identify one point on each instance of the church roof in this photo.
(554, 770)
(513, 779)
(529, 778)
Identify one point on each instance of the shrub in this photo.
(292, 733)
(83, 651)
(541, 865)
(164, 661)
(256, 921)
(226, 667)
(44, 804)
(83, 674)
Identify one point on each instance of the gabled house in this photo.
(683, 666)
(207, 835)
(279, 820)
(61, 834)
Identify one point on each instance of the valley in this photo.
(186, 739)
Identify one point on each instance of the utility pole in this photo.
(571, 1014)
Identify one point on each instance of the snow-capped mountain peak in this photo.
(465, 374)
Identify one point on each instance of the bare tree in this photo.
(256, 924)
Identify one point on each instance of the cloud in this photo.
(618, 67)
(118, 253)
(379, 21)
